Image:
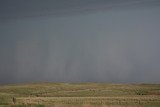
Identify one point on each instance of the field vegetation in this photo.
(80, 95)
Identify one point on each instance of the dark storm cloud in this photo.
(40, 8)
(114, 41)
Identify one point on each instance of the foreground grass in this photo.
(80, 95)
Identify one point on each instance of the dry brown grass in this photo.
(82, 95)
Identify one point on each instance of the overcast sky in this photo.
(113, 41)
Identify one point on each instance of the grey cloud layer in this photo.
(105, 46)
(19, 9)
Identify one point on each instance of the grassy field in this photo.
(80, 95)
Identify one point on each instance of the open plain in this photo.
(80, 95)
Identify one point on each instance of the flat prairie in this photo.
(80, 95)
